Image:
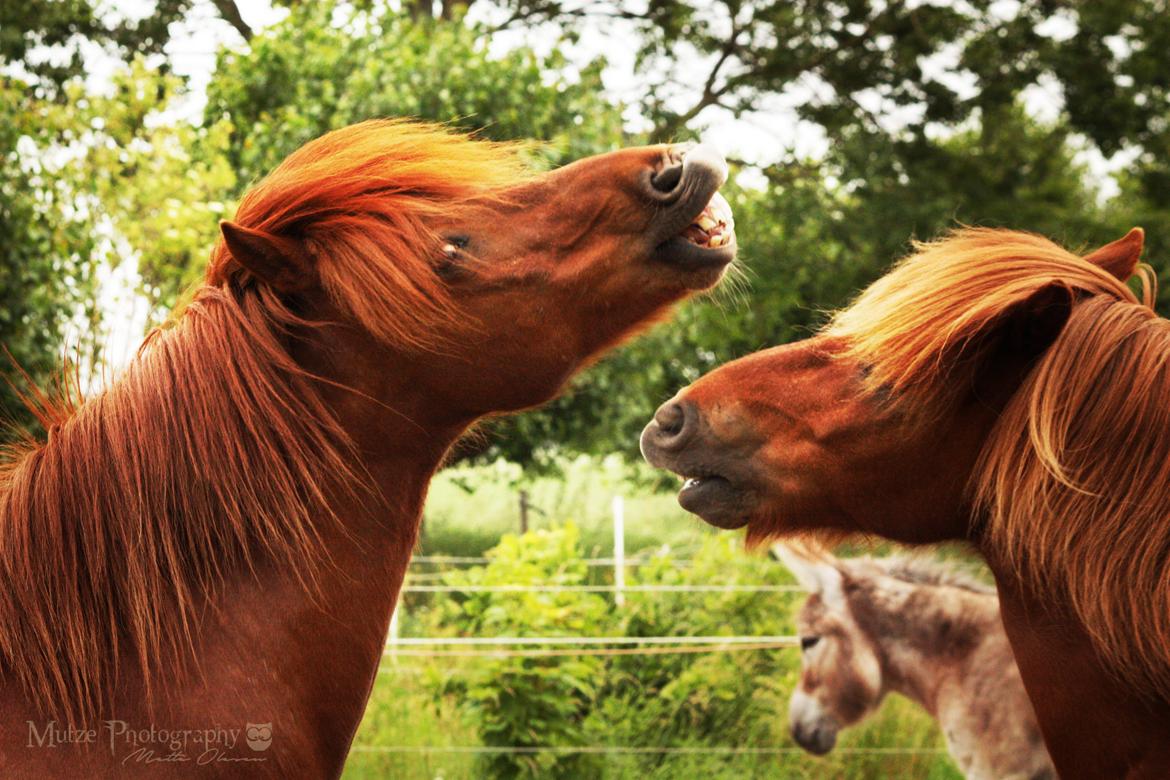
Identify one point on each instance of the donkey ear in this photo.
(816, 575)
(276, 260)
(1120, 257)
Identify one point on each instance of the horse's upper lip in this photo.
(696, 229)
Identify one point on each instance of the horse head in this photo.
(450, 281)
(877, 424)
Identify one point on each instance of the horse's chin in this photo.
(716, 500)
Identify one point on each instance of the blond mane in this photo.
(214, 450)
(1074, 478)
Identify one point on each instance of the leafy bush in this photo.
(580, 489)
(692, 700)
(695, 698)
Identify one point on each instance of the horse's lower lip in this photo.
(682, 254)
(714, 499)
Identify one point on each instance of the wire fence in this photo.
(627, 750)
(554, 588)
(604, 646)
(587, 651)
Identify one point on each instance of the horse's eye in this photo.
(454, 245)
(451, 251)
(808, 641)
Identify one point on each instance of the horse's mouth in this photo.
(715, 499)
(697, 225)
(712, 486)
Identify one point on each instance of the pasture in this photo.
(670, 715)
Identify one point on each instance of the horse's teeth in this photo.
(714, 226)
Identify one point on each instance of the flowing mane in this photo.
(214, 450)
(1074, 479)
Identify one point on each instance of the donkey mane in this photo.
(920, 570)
(913, 567)
(1074, 479)
(214, 450)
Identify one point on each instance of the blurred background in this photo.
(129, 129)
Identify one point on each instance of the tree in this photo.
(923, 103)
(816, 233)
(57, 146)
(46, 36)
(307, 75)
(46, 269)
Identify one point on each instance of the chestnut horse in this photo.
(872, 626)
(993, 388)
(200, 563)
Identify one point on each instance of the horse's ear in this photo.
(1032, 325)
(1120, 257)
(814, 574)
(1019, 336)
(276, 260)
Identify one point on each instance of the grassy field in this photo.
(404, 712)
(699, 701)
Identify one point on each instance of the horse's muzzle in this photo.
(695, 230)
(674, 440)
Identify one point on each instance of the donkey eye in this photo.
(808, 641)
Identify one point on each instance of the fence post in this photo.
(619, 550)
(523, 512)
(394, 630)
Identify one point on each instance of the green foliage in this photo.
(581, 489)
(916, 149)
(163, 186)
(691, 700)
(312, 73)
(46, 37)
(528, 702)
(46, 267)
(925, 63)
(325, 66)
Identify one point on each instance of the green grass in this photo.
(403, 712)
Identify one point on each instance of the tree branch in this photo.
(450, 6)
(710, 95)
(231, 14)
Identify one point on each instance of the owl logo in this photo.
(259, 736)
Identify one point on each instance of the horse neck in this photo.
(1094, 724)
(338, 631)
(923, 635)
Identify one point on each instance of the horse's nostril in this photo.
(671, 418)
(668, 177)
(674, 426)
